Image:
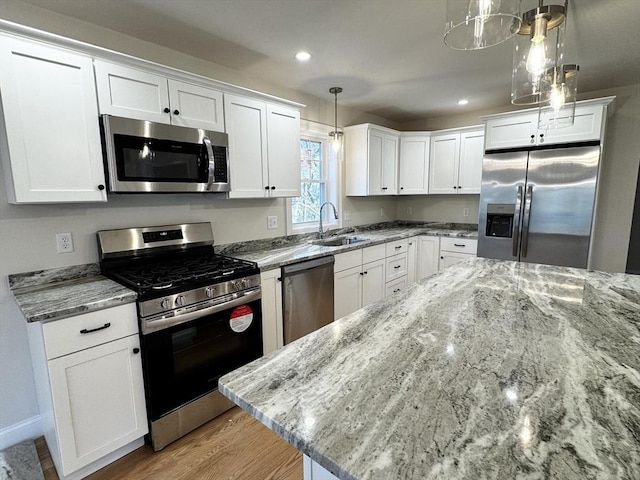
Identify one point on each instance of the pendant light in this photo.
(477, 24)
(559, 111)
(539, 48)
(336, 135)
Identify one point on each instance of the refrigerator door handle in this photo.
(527, 217)
(516, 223)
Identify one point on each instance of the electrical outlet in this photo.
(64, 242)
(347, 215)
(465, 212)
(272, 222)
(409, 211)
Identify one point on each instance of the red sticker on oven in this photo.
(241, 318)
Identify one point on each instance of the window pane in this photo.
(306, 207)
(310, 160)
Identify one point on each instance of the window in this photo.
(318, 182)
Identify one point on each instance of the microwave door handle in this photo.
(212, 164)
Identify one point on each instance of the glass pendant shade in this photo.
(477, 24)
(539, 48)
(335, 135)
(559, 111)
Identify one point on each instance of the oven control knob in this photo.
(180, 300)
(246, 283)
(237, 285)
(209, 292)
(165, 303)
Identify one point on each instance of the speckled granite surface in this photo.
(487, 370)
(274, 253)
(47, 295)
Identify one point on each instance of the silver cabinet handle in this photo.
(516, 223)
(212, 163)
(527, 218)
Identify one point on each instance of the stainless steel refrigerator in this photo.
(537, 206)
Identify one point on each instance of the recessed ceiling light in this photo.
(302, 56)
(464, 101)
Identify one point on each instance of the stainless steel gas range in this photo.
(200, 317)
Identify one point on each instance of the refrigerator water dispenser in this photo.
(500, 220)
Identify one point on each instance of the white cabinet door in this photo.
(414, 164)
(376, 160)
(131, 93)
(283, 143)
(396, 267)
(51, 124)
(587, 125)
(470, 165)
(347, 291)
(389, 184)
(443, 163)
(428, 256)
(246, 125)
(373, 282)
(272, 326)
(412, 259)
(195, 106)
(449, 258)
(396, 286)
(98, 400)
(518, 130)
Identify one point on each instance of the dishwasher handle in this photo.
(295, 268)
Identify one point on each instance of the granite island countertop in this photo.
(487, 370)
(54, 294)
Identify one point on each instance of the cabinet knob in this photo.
(459, 186)
(176, 112)
(401, 188)
(267, 187)
(542, 138)
(361, 273)
(166, 110)
(533, 139)
(441, 258)
(273, 187)
(365, 272)
(454, 187)
(100, 187)
(136, 350)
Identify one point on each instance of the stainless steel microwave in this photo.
(147, 157)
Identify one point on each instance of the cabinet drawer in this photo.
(396, 286)
(396, 267)
(457, 244)
(347, 260)
(394, 248)
(65, 336)
(371, 254)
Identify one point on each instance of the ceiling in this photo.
(388, 55)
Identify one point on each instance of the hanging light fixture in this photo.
(477, 24)
(336, 135)
(539, 48)
(559, 111)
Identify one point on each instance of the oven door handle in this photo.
(152, 324)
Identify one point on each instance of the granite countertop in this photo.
(47, 295)
(274, 253)
(487, 370)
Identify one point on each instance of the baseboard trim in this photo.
(21, 431)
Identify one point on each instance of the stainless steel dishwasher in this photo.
(307, 297)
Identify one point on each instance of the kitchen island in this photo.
(487, 370)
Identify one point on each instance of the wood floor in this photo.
(233, 446)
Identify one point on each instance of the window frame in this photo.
(332, 173)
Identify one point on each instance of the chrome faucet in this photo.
(322, 233)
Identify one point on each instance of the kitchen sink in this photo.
(338, 241)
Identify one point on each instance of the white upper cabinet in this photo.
(131, 93)
(264, 148)
(455, 163)
(371, 156)
(414, 164)
(51, 151)
(520, 129)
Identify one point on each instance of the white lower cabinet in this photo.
(272, 326)
(428, 255)
(412, 260)
(90, 388)
(359, 279)
(455, 249)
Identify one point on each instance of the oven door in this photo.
(184, 362)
